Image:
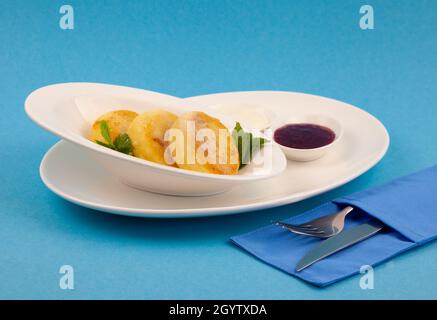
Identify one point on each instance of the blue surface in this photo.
(190, 48)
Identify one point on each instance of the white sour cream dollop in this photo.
(249, 116)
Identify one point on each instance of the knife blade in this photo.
(339, 242)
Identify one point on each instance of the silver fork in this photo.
(323, 227)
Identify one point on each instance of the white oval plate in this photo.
(75, 177)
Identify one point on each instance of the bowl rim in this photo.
(85, 143)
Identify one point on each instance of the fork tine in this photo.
(300, 227)
(303, 232)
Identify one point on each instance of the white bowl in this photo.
(314, 153)
(68, 110)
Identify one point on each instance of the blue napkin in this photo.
(407, 206)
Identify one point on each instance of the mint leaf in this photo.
(247, 144)
(123, 143)
(238, 127)
(104, 144)
(104, 130)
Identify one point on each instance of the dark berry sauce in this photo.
(304, 136)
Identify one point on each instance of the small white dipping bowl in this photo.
(296, 154)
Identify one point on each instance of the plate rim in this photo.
(216, 211)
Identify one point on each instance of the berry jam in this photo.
(304, 136)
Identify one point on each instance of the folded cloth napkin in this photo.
(407, 206)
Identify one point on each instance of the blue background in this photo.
(188, 48)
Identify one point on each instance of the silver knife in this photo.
(339, 242)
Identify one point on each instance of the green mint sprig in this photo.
(247, 144)
(121, 143)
